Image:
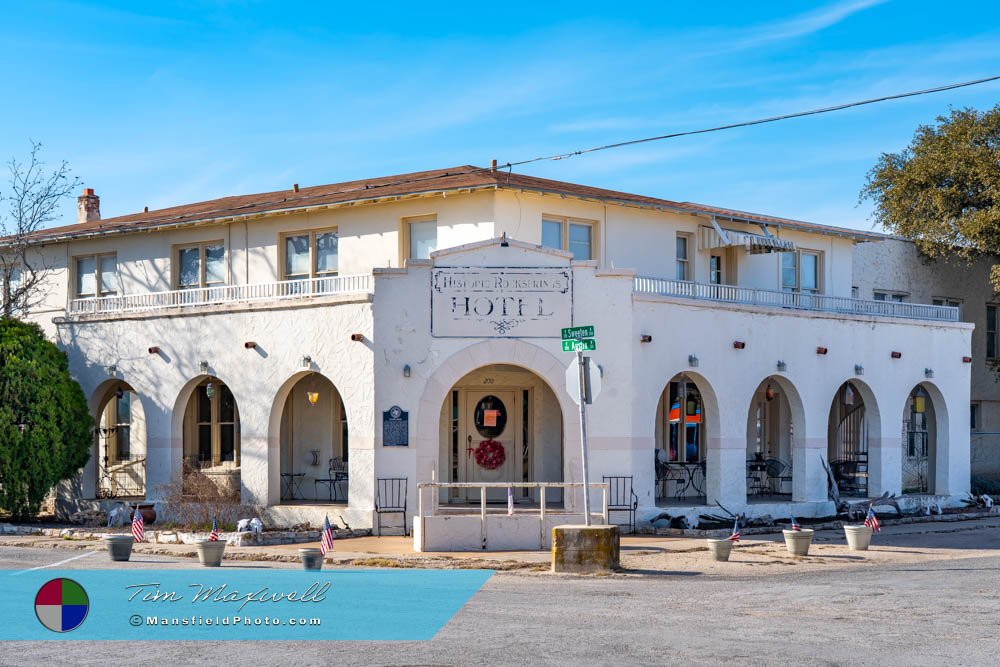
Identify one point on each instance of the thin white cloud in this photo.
(807, 24)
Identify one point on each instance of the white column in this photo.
(725, 471)
(809, 481)
(885, 463)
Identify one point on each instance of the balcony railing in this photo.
(221, 294)
(797, 300)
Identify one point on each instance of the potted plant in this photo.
(721, 549)
(119, 545)
(312, 558)
(859, 536)
(210, 550)
(798, 539)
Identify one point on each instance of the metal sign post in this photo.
(583, 437)
(579, 339)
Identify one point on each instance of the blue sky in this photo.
(165, 103)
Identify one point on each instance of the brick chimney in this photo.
(88, 206)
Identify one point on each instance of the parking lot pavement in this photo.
(942, 611)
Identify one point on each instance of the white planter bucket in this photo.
(858, 537)
(312, 559)
(210, 552)
(720, 549)
(119, 546)
(797, 541)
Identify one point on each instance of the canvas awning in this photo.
(717, 237)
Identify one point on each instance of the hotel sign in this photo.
(500, 302)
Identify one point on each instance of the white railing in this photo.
(220, 294)
(502, 510)
(797, 300)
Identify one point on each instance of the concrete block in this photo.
(582, 549)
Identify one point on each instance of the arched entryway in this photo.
(313, 442)
(774, 417)
(681, 437)
(119, 442)
(500, 423)
(211, 440)
(920, 441)
(852, 427)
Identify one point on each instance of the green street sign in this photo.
(582, 345)
(576, 333)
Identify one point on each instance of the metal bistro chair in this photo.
(336, 473)
(391, 499)
(621, 498)
(778, 472)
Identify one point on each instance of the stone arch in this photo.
(678, 483)
(178, 417)
(767, 439)
(861, 472)
(104, 475)
(532, 358)
(275, 445)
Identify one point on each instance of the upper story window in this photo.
(96, 275)
(991, 332)
(421, 236)
(576, 236)
(800, 271)
(683, 257)
(951, 303)
(310, 255)
(881, 295)
(201, 265)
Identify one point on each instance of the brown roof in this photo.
(455, 178)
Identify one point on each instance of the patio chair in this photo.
(337, 472)
(851, 476)
(621, 498)
(778, 472)
(390, 498)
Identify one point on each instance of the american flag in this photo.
(214, 535)
(326, 540)
(138, 530)
(872, 521)
(795, 525)
(735, 537)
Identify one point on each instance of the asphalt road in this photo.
(938, 613)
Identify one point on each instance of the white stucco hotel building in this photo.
(395, 324)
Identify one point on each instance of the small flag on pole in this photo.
(510, 501)
(138, 530)
(214, 535)
(872, 521)
(735, 537)
(795, 525)
(326, 540)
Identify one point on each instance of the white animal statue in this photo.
(256, 525)
(119, 516)
(243, 525)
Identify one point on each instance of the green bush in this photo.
(981, 485)
(45, 426)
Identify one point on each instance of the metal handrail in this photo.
(797, 300)
(482, 486)
(220, 294)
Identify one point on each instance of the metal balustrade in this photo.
(796, 300)
(222, 294)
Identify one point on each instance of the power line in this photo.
(759, 121)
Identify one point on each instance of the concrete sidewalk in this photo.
(641, 555)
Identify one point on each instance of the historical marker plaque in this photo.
(395, 427)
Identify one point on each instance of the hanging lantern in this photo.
(210, 390)
(849, 395)
(918, 404)
(769, 392)
(313, 397)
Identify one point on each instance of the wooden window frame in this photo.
(565, 222)
(994, 333)
(688, 260)
(312, 234)
(890, 296)
(716, 270)
(97, 276)
(819, 255)
(175, 262)
(404, 234)
(215, 425)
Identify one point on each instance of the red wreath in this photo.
(490, 454)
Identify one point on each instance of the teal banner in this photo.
(233, 604)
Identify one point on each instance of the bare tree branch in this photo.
(31, 204)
